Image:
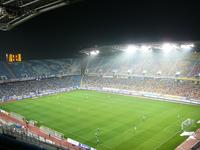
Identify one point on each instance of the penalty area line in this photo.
(167, 140)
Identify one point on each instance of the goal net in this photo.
(52, 132)
(187, 124)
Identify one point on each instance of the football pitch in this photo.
(118, 122)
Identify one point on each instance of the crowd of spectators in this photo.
(35, 68)
(34, 87)
(151, 65)
(35, 77)
(155, 74)
(169, 86)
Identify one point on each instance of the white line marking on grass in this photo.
(166, 140)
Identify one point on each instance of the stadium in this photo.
(88, 77)
(107, 99)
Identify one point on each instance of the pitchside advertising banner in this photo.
(76, 143)
(36, 94)
(145, 94)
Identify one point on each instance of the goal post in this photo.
(187, 124)
(52, 132)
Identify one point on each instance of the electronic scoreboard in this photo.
(13, 58)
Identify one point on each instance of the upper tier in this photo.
(40, 68)
(150, 64)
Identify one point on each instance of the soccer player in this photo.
(96, 134)
(97, 142)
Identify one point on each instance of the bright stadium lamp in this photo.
(95, 52)
(167, 47)
(187, 46)
(131, 49)
(191, 45)
(145, 48)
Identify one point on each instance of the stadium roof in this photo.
(14, 12)
(114, 49)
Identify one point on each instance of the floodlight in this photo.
(191, 45)
(94, 52)
(145, 48)
(167, 47)
(131, 49)
(187, 46)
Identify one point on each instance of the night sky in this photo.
(63, 32)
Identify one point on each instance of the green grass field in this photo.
(125, 122)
